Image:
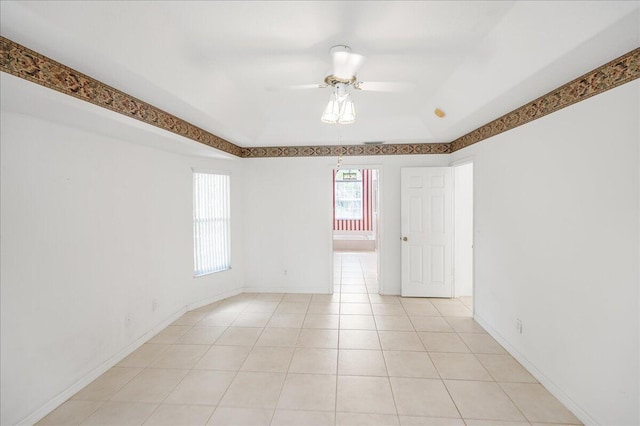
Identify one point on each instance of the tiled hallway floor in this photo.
(351, 358)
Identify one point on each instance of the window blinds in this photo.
(211, 223)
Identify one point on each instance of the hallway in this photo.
(355, 272)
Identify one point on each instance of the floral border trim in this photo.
(346, 150)
(622, 70)
(25, 63)
(22, 62)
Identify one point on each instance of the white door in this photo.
(427, 231)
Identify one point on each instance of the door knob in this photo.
(404, 238)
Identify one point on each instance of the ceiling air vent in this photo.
(374, 143)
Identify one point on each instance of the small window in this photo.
(211, 223)
(348, 195)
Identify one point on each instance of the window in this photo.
(348, 195)
(211, 223)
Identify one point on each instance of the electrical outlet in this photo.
(154, 305)
(518, 326)
(128, 319)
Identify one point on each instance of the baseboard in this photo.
(555, 390)
(304, 290)
(54, 403)
(98, 371)
(209, 300)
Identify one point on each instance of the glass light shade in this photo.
(331, 113)
(347, 112)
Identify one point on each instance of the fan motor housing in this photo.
(333, 80)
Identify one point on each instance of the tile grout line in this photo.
(497, 383)
(101, 403)
(436, 368)
(196, 363)
(240, 367)
(482, 366)
(148, 367)
(286, 373)
(110, 399)
(384, 360)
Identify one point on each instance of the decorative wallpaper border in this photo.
(25, 63)
(22, 62)
(612, 74)
(346, 150)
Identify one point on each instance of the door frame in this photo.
(379, 243)
(461, 162)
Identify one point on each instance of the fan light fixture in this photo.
(340, 108)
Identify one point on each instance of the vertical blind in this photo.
(211, 223)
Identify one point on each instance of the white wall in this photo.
(93, 228)
(556, 245)
(288, 220)
(463, 227)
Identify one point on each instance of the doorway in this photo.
(356, 231)
(437, 232)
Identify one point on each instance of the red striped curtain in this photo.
(356, 225)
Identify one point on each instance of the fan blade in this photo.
(297, 87)
(385, 86)
(346, 64)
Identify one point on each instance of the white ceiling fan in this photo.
(345, 68)
(346, 64)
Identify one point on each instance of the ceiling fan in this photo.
(345, 67)
(343, 76)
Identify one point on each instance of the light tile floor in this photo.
(351, 358)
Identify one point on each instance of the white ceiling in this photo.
(218, 64)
